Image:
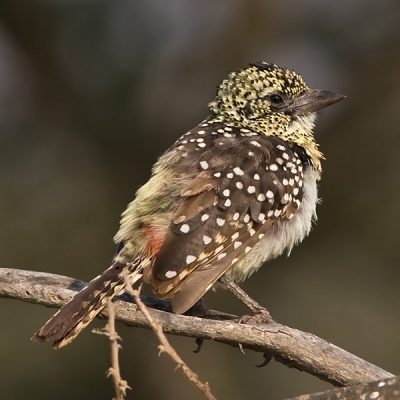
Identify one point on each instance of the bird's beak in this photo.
(314, 100)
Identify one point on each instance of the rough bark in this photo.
(289, 346)
(385, 389)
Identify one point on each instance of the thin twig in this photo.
(166, 347)
(109, 330)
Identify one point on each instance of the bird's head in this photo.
(272, 101)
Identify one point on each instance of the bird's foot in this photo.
(260, 313)
(198, 309)
(261, 316)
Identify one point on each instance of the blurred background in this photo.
(93, 91)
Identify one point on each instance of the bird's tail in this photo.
(64, 326)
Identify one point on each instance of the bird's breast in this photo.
(283, 235)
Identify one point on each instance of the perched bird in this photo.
(235, 191)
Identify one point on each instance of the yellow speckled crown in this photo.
(243, 100)
(251, 86)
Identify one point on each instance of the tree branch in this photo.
(289, 346)
(109, 330)
(385, 389)
(165, 346)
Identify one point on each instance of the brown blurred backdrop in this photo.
(92, 91)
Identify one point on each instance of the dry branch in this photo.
(289, 346)
(165, 346)
(385, 389)
(109, 330)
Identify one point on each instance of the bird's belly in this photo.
(283, 235)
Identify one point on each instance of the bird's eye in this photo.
(276, 99)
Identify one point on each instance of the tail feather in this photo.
(64, 326)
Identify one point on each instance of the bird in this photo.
(237, 190)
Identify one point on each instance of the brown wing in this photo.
(243, 187)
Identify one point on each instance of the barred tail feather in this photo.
(64, 326)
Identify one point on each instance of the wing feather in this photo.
(243, 186)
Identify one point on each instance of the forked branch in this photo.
(289, 346)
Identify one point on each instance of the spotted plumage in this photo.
(237, 190)
(243, 185)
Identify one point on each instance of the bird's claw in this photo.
(260, 316)
(267, 359)
(199, 343)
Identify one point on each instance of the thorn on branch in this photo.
(109, 330)
(165, 346)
